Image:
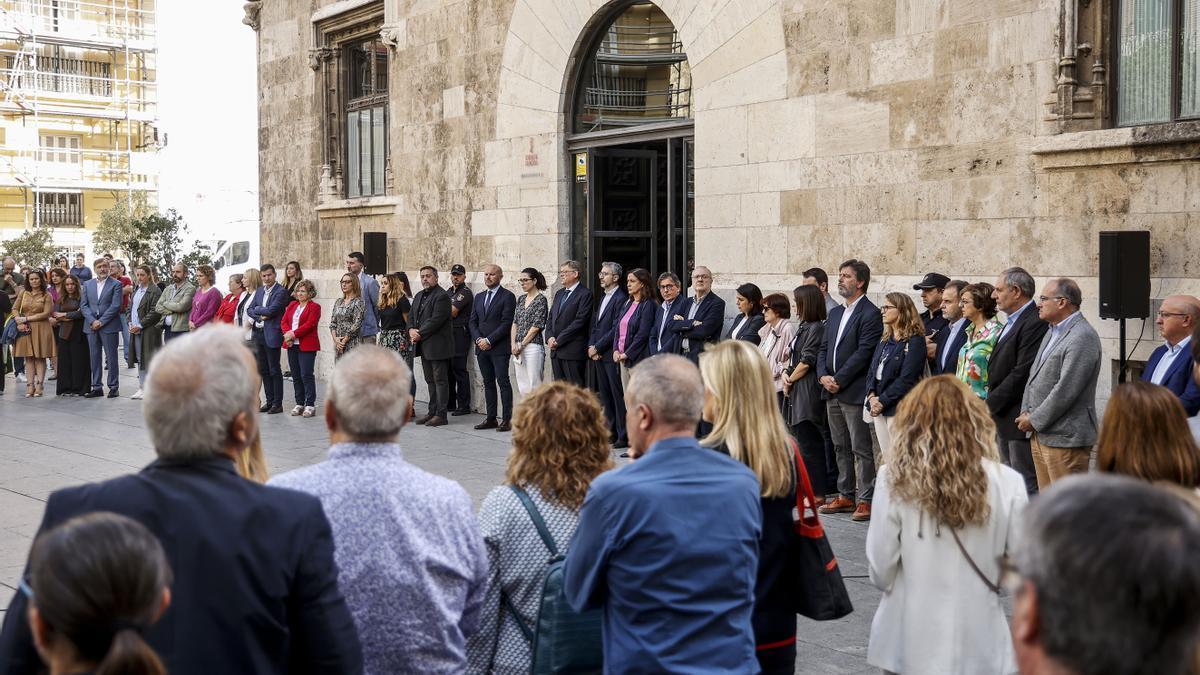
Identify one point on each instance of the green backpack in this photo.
(562, 640)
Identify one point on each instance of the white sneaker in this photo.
(137, 395)
(310, 411)
(21, 377)
(297, 410)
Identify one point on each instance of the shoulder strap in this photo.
(536, 517)
(993, 587)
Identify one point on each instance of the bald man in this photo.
(1171, 364)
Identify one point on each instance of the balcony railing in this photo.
(106, 21)
(62, 75)
(60, 209)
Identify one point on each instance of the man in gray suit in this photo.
(355, 264)
(1058, 410)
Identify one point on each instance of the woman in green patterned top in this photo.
(979, 307)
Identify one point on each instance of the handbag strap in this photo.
(537, 519)
(995, 588)
(806, 499)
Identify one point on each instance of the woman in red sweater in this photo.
(299, 325)
(229, 304)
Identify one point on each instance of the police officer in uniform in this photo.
(460, 313)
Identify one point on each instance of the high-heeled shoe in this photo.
(29, 389)
(38, 391)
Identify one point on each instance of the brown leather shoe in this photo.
(423, 420)
(486, 424)
(839, 505)
(437, 421)
(862, 512)
(504, 426)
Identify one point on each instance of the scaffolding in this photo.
(75, 69)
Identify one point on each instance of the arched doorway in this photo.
(630, 145)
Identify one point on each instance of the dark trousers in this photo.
(812, 451)
(570, 370)
(169, 335)
(304, 379)
(607, 375)
(18, 365)
(460, 377)
(267, 359)
(1019, 455)
(493, 366)
(102, 347)
(855, 450)
(437, 378)
(777, 661)
(831, 467)
(73, 364)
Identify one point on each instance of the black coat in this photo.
(710, 315)
(854, 353)
(256, 585)
(957, 341)
(662, 320)
(495, 322)
(1008, 371)
(641, 325)
(431, 316)
(603, 334)
(901, 371)
(568, 324)
(749, 331)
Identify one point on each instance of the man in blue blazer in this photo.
(355, 264)
(606, 373)
(700, 318)
(491, 330)
(945, 344)
(1171, 364)
(255, 586)
(567, 327)
(662, 339)
(267, 308)
(101, 303)
(852, 333)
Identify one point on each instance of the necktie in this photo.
(487, 302)
(563, 303)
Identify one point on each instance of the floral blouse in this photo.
(535, 315)
(347, 319)
(974, 355)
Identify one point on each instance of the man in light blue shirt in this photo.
(1171, 363)
(668, 545)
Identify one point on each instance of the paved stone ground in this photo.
(49, 443)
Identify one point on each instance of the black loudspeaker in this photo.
(375, 252)
(1125, 275)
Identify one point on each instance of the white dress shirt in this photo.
(842, 326)
(1168, 357)
(296, 317)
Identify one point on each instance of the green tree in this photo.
(148, 237)
(117, 225)
(34, 247)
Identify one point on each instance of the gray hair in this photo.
(197, 385)
(369, 392)
(613, 267)
(1069, 290)
(1020, 279)
(1113, 563)
(573, 265)
(669, 385)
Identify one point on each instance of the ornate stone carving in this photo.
(391, 35)
(326, 190)
(1080, 97)
(389, 178)
(318, 56)
(252, 8)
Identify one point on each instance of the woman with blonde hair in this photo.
(251, 281)
(740, 401)
(345, 323)
(945, 512)
(898, 363)
(252, 462)
(1145, 435)
(560, 444)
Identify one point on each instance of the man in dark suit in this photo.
(699, 319)
(491, 330)
(255, 585)
(432, 334)
(461, 300)
(267, 308)
(942, 348)
(606, 373)
(567, 327)
(1009, 366)
(1171, 363)
(662, 339)
(852, 332)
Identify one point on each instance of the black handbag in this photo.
(820, 591)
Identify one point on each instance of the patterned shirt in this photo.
(410, 558)
(975, 353)
(534, 315)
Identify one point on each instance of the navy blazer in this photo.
(711, 316)
(901, 372)
(271, 333)
(1008, 371)
(104, 309)
(749, 331)
(641, 325)
(256, 584)
(494, 323)
(661, 327)
(959, 339)
(604, 335)
(568, 324)
(1179, 377)
(854, 353)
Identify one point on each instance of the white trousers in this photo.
(530, 367)
(883, 431)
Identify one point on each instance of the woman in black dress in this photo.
(394, 305)
(74, 367)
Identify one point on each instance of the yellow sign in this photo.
(581, 167)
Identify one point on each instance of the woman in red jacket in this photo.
(299, 325)
(229, 304)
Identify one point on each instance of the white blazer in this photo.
(936, 614)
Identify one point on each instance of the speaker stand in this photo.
(1123, 360)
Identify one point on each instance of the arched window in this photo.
(636, 73)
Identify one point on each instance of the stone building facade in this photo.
(959, 136)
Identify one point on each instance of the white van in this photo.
(236, 255)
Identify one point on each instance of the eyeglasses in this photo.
(347, 281)
(666, 287)
(884, 308)
(524, 280)
(1044, 298)
(1163, 315)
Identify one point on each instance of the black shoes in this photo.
(504, 426)
(489, 423)
(95, 393)
(264, 407)
(275, 410)
(460, 413)
(112, 393)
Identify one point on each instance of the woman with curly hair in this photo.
(560, 444)
(944, 514)
(1145, 435)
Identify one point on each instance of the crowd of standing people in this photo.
(942, 428)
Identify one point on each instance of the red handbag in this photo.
(820, 591)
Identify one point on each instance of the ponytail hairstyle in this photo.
(97, 581)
